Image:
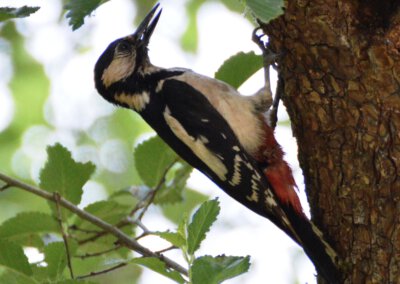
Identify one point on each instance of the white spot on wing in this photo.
(254, 189)
(197, 146)
(159, 85)
(236, 177)
(253, 197)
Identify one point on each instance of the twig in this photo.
(103, 233)
(139, 223)
(64, 236)
(76, 228)
(152, 194)
(87, 255)
(4, 187)
(121, 236)
(91, 274)
(166, 249)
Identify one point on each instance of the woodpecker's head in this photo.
(124, 59)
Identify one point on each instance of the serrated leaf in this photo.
(26, 223)
(158, 266)
(63, 175)
(12, 276)
(266, 10)
(238, 68)
(214, 270)
(175, 239)
(201, 224)
(7, 13)
(12, 256)
(56, 259)
(77, 10)
(152, 158)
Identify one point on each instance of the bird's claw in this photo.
(268, 55)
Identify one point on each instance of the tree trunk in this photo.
(340, 65)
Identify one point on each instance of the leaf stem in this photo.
(64, 236)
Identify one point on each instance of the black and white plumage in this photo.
(215, 129)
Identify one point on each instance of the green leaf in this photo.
(12, 256)
(7, 13)
(11, 276)
(201, 224)
(176, 211)
(214, 270)
(175, 239)
(152, 158)
(171, 191)
(28, 223)
(266, 10)
(77, 10)
(56, 259)
(238, 68)
(63, 175)
(109, 211)
(157, 265)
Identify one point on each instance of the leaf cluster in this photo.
(74, 249)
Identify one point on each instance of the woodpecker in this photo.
(214, 128)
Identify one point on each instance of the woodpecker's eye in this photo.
(124, 47)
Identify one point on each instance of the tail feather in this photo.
(312, 240)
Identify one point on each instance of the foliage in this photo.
(248, 64)
(77, 10)
(266, 10)
(155, 175)
(7, 13)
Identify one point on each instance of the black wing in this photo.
(202, 137)
(222, 157)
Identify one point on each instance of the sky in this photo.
(222, 33)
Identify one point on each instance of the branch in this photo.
(121, 236)
(57, 198)
(102, 271)
(87, 255)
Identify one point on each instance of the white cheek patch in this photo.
(119, 69)
(136, 102)
(198, 146)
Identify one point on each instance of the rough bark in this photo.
(340, 64)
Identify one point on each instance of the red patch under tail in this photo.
(278, 172)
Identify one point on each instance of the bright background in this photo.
(74, 107)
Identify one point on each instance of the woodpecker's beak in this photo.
(147, 26)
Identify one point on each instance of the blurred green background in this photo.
(47, 96)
